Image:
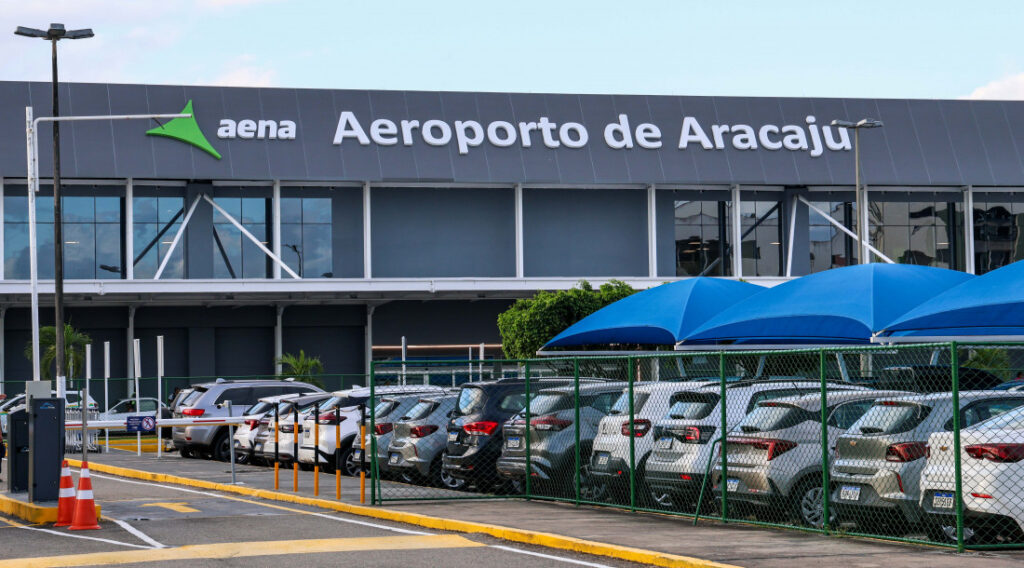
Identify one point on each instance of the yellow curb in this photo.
(31, 512)
(439, 523)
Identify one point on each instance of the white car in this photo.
(292, 414)
(245, 434)
(992, 480)
(125, 408)
(11, 404)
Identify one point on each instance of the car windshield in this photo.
(1010, 420)
(384, 407)
(258, 408)
(692, 406)
(621, 405)
(471, 399)
(192, 397)
(548, 403)
(420, 410)
(771, 416)
(889, 417)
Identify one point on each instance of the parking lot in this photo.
(154, 524)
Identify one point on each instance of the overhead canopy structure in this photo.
(842, 305)
(658, 316)
(991, 304)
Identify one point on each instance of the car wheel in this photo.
(221, 448)
(591, 488)
(350, 466)
(241, 457)
(810, 504)
(186, 452)
(662, 499)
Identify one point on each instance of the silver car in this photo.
(774, 456)
(386, 413)
(684, 438)
(419, 440)
(878, 462)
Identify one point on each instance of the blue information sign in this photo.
(140, 424)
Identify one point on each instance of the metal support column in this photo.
(737, 234)
(368, 338)
(367, 245)
(131, 347)
(275, 214)
(652, 232)
(520, 271)
(969, 267)
(128, 271)
(278, 336)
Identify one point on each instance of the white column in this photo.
(131, 346)
(520, 271)
(275, 214)
(367, 245)
(792, 236)
(737, 234)
(159, 392)
(652, 232)
(33, 186)
(278, 339)
(129, 234)
(968, 230)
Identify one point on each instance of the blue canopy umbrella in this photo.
(991, 304)
(658, 316)
(842, 305)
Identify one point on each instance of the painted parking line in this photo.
(15, 524)
(176, 507)
(248, 549)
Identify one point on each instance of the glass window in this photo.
(156, 222)
(234, 254)
(621, 405)
(91, 233)
(548, 403)
(998, 238)
(918, 227)
(701, 237)
(845, 415)
(891, 418)
(762, 238)
(692, 406)
(1010, 420)
(830, 247)
(773, 416)
(420, 410)
(513, 402)
(471, 399)
(306, 245)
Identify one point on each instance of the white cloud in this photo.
(243, 71)
(1010, 87)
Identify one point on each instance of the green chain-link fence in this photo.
(858, 440)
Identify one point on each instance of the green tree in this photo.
(530, 323)
(301, 366)
(993, 360)
(74, 350)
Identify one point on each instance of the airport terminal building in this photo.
(339, 221)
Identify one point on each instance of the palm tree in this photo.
(302, 366)
(74, 350)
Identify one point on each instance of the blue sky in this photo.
(936, 49)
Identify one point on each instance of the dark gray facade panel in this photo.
(244, 351)
(438, 322)
(340, 348)
(423, 233)
(347, 232)
(665, 233)
(584, 232)
(923, 142)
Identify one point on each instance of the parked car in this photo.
(207, 399)
(291, 414)
(419, 440)
(474, 431)
(610, 456)
(124, 408)
(390, 409)
(245, 434)
(1014, 385)
(930, 378)
(878, 462)
(554, 434)
(684, 438)
(992, 480)
(347, 403)
(72, 399)
(774, 455)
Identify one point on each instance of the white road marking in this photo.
(232, 498)
(551, 557)
(72, 535)
(141, 535)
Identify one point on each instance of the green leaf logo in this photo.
(185, 130)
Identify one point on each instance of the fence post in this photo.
(724, 447)
(295, 448)
(825, 484)
(316, 455)
(576, 405)
(632, 438)
(526, 428)
(106, 393)
(954, 362)
(160, 400)
(375, 497)
(277, 455)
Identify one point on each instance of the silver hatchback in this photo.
(419, 440)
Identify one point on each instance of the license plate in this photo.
(942, 501)
(849, 493)
(259, 447)
(665, 443)
(357, 454)
(453, 436)
(513, 442)
(602, 459)
(394, 458)
(732, 485)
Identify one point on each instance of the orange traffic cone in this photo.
(85, 508)
(66, 501)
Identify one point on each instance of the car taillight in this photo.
(641, 426)
(286, 428)
(927, 451)
(550, 423)
(382, 428)
(251, 423)
(906, 452)
(775, 448)
(695, 434)
(483, 428)
(193, 411)
(331, 419)
(422, 431)
(998, 453)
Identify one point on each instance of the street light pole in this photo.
(53, 35)
(863, 220)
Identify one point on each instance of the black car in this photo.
(475, 430)
(929, 379)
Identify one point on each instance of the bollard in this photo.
(231, 437)
(277, 455)
(337, 452)
(362, 454)
(316, 456)
(295, 449)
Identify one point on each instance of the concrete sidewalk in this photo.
(738, 544)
